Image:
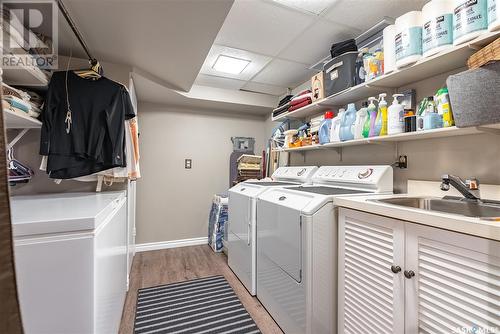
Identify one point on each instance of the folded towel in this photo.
(282, 111)
(305, 91)
(299, 101)
(18, 103)
(285, 100)
(300, 105)
(283, 107)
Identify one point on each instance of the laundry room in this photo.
(250, 166)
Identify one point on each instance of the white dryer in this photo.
(241, 239)
(297, 245)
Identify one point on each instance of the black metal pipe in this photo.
(77, 33)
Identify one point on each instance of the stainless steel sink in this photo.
(447, 205)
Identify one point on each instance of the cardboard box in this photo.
(318, 87)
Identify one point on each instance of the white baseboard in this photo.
(170, 244)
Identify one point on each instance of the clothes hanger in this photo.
(94, 72)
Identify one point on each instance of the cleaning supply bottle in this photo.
(395, 116)
(324, 128)
(381, 121)
(372, 111)
(347, 122)
(359, 124)
(432, 119)
(335, 131)
(443, 107)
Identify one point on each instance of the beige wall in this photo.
(474, 155)
(26, 150)
(172, 202)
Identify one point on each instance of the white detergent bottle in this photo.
(359, 124)
(335, 132)
(395, 116)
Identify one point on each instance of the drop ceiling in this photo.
(291, 37)
(172, 45)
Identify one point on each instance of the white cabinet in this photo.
(71, 261)
(370, 294)
(447, 283)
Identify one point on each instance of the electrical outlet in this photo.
(402, 162)
(188, 163)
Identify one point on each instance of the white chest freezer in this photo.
(71, 261)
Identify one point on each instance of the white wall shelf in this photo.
(25, 76)
(448, 60)
(16, 120)
(408, 136)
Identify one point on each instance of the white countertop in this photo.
(457, 223)
(59, 213)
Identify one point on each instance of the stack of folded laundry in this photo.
(20, 101)
(300, 100)
(283, 106)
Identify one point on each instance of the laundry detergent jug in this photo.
(347, 122)
(325, 128)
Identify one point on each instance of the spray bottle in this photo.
(395, 121)
(372, 112)
(381, 122)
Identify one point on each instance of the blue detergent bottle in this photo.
(325, 127)
(346, 124)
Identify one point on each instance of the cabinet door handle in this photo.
(409, 273)
(396, 269)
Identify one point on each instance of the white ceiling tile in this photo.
(219, 82)
(264, 88)
(261, 27)
(256, 64)
(284, 73)
(364, 14)
(315, 42)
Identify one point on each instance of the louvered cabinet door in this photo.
(456, 287)
(371, 295)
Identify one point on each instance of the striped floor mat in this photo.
(205, 305)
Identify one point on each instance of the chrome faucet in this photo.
(469, 188)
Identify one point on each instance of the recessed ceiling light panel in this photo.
(231, 65)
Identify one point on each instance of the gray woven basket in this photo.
(475, 96)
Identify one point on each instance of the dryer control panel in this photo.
(375, 178)
(299, 174)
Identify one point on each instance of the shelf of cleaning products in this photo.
(448, 60)
(16, 120)
(409, 136)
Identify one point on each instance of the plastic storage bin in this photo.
(339, 73)
(243, 144)
(474, 96)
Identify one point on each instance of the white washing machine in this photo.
(297, 245)
(241, 239)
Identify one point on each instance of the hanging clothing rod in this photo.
(77, 33)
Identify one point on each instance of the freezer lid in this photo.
(60, 213)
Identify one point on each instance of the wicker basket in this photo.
(489, 53)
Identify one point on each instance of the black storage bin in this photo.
(474, 96)
(340, 72)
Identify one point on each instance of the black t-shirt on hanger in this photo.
(97, 136)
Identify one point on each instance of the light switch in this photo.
(188, 163)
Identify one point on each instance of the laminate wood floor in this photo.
(181, 264)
